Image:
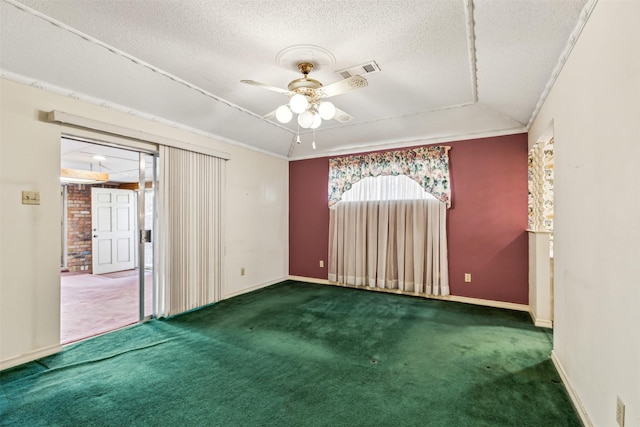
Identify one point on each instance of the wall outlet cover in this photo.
(30, 197)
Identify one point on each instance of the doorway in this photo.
(108, 217)
(113, 227)
(540, 230)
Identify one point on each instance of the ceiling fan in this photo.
(306, 98)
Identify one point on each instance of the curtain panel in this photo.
(390, 244)
(428, 166)
(190, 230)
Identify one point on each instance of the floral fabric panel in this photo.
(547, 186)
(428, 166)
(535, 188)
(540, 186)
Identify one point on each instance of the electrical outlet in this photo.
(620, 412)
(321, 263)
(242, 271)
(467, 277)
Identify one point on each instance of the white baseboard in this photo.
(30, 357)
(542, 323)
(453, 298)
(484, 302)
(310, 280)
(254, 287)
(577, 403)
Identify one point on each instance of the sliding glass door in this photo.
(146, 221)
(108, 222)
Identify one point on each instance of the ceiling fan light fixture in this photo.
(306, 95)
(298, 103)
(317, 121)
(284, 114)
(327, 110)
(305, 120)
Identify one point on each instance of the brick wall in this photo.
(79, 233)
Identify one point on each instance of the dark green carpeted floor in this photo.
(297, 354)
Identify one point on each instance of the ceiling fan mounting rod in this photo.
(305, 68)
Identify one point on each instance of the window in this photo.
(386, 231)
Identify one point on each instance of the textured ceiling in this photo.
(451, 69)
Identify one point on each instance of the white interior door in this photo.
(113, 225)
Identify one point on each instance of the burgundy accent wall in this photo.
(485, 225)
(309, 217)
(487, 222)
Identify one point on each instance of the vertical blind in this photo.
(190, 246)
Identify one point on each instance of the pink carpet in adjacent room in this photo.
(95, 304)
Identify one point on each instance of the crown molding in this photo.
(471, 43)
(28, 81)
(573, 38)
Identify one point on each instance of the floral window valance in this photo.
(428, 166)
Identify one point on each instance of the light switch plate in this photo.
(30, 197)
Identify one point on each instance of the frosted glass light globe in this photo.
(298, 103)
(316, 121)
(305, 120)
(327, 110)
(283, 114)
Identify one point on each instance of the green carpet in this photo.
(298, 354)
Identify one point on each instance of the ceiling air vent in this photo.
(359, 70)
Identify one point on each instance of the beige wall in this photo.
(256, 215)
(594, 112)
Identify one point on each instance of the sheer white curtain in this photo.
(387, 232)
(190, 230)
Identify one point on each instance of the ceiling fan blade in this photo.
(342, 117)
(343, 86)
(270, 115)
(264, 86)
